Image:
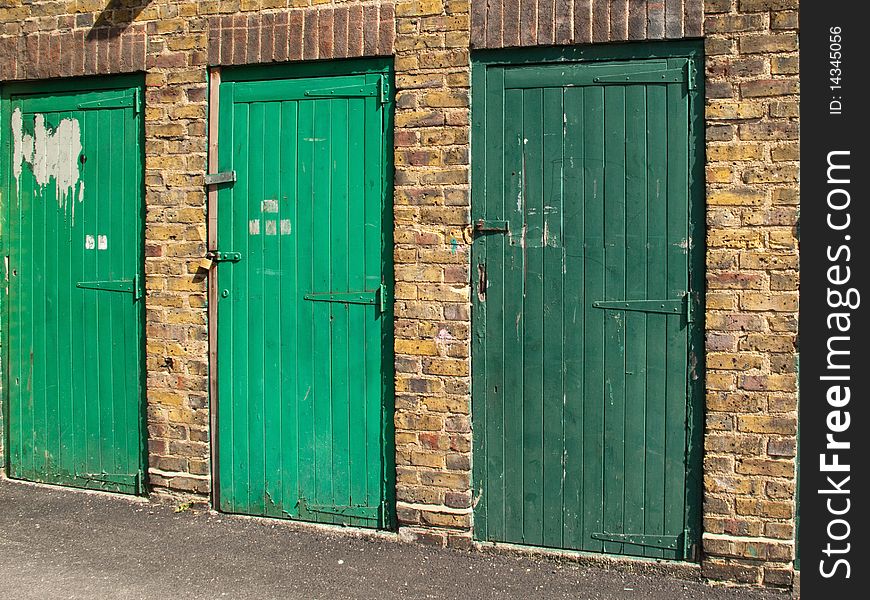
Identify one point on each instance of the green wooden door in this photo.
(73, 207)
(304, 318)
(584, 337)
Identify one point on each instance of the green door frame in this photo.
(692, 50)
(330, 68)
(61, 86)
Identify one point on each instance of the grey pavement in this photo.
(63, 544)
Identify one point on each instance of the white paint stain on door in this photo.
(51, 154)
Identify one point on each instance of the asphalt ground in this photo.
(57, 543)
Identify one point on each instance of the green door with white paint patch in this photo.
(72, 239)
(304, 332)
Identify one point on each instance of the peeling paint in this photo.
(51, 154)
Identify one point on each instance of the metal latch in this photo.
(483, 226)
(223, 256)
(350, 91)
(217, 178)
(130, 286)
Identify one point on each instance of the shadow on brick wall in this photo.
(116, 17)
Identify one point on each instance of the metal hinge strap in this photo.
(663, 76)
(365, 90)
(125, 101)
(665, 542)
(671, 307)
(353, 511)
(122, 285)
(366, 297)
(133, 480)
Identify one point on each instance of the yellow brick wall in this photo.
(752, 289)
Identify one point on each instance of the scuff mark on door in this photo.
(51, 154)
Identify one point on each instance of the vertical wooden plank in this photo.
(379, 332)
(225, 350)
(240, 308)
(258, 313)
(574, 314)
(65, 246)
(344, 244)
(214, 123)
(112, 227)
(657, 248)
(92, 322)
(533, 318)
(321, 259)
(290, 296)
(53, 225)
(273, 327)
(593, 359)
(44, 203)
(635, 322)
(359, 325)
(552, 372)
(304, 354)
(82, 272)
(614, 329)
(134, 263)
(514, 324)
(677, 329)
(492, 251)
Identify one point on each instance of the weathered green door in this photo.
(304, 317)
(73, 206)
(584, 335)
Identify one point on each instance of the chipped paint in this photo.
(271, 227)
(51, 154)
(286, 227)
(254, 227)
(269, 206)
